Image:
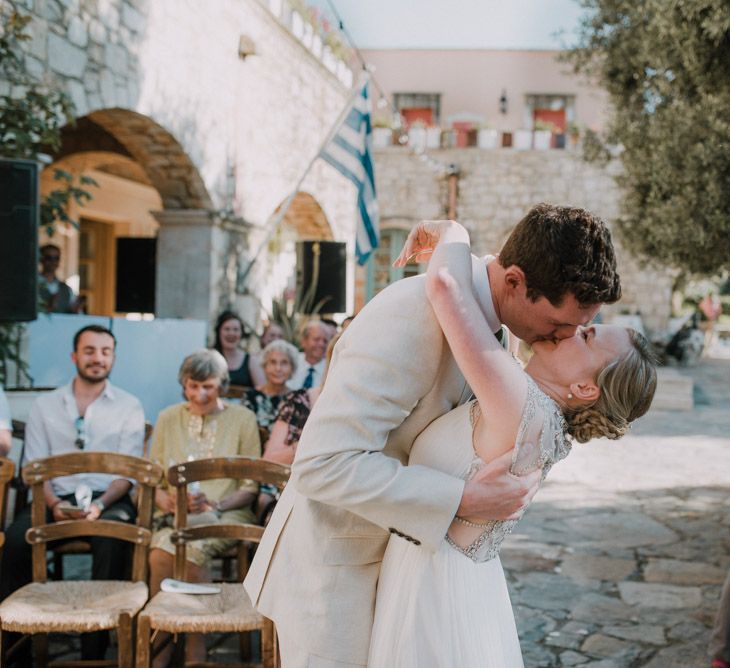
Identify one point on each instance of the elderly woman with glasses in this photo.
(279, 363)
(201, 427)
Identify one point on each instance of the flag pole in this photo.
(283, 210)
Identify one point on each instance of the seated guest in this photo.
(286, 430)
(6, 425)
(228, 336)
(280, 362)
(293, 412)
(54, 295)
(273, 331)
(201, 427)
(346, 322)
(92, 415)
(310, 369)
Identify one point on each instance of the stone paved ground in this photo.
(620, 560)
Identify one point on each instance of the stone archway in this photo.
(305, 219)
(134, 148)
(164, 161)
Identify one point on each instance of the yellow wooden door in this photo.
(96, 266)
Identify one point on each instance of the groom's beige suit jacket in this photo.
(316, 570)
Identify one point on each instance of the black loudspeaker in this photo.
(18, 240)
(327, 260)
(136, 262)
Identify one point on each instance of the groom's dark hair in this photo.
(564, 250)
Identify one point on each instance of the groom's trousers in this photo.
(293, 656)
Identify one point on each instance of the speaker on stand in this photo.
(322, 275)
(19, 211)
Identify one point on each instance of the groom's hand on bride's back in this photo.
(496, 494)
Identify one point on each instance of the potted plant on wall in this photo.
(487, 136)
(433, 136)
(382, 132)
(298, 12)
(417, 135)
(543, 135)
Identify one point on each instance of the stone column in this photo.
(189, 248)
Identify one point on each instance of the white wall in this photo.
(149, 354)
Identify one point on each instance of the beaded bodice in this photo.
(448, 446)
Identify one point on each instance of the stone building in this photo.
(485, 135)
(491, 190)
(197, 121)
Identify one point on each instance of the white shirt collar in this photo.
(68, 391)
(483, 290)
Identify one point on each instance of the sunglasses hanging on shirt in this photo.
(80, 441)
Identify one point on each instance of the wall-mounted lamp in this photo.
(503, 102)
(246, 47)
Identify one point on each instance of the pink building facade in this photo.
(505, 89)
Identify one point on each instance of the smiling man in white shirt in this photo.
(92, 415)
(310, 368)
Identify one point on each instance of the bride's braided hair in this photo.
(627, 387)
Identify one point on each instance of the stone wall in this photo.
(497, 187)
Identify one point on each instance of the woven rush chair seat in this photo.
(81, 607)
(42, 607)
(228, 612)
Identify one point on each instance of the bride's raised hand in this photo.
(422, 240)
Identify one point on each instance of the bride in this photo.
(452, 608)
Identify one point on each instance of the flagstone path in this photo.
(620, 560)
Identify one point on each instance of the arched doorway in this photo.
(111, 259)
(304, 220)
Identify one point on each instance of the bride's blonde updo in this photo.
(627, 387)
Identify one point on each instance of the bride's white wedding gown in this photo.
(451, 608)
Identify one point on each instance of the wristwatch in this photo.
(217, 509)
(99, 504)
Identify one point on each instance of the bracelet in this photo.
(217, 508)
(468, 523)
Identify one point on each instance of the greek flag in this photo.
(349, 153)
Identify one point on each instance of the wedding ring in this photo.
(425, 251)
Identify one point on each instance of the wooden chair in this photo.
(230, 611)
(236, 391)
(7, 469)
(43, 607)
(83, 546)
(21, 491)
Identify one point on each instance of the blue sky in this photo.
(465, 24)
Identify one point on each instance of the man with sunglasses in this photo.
(92, 415)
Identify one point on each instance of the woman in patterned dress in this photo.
(279, 363)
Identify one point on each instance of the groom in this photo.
(316, 570)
